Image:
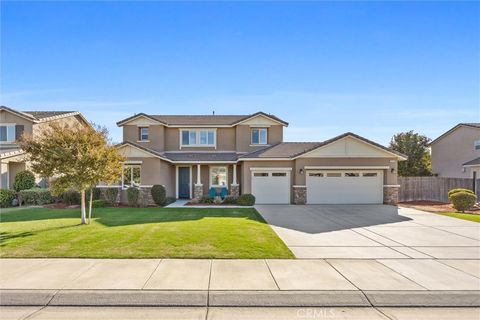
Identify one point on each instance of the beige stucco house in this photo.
(193, 156)
(456, 153)
(13, 124)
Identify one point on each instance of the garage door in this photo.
(271, 186)
(344, 187)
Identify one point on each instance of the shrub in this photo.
(169, 200)
(463, 200)
(132, 196)
(206, 199)
(71, 197)
(230, 200)
(6, 197)
(97, 193)
(159, 194)
(453, 191)
(99, 203)
(24, 180)
(35, 196)
(111, 195)
(246, 199)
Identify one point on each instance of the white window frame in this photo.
(476, 145)
(210, 177)
(14, 131)
(131, 175)
(259, 143)
(197, 143)
(140, 135)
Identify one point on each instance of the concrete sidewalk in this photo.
(220, 283)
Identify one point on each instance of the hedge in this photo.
(111, 195)
(159, 195)
(246, 199)
(453, 191)
(133, 195)
(6, 197)
(23, 180)
(35, 196)
(463, 200)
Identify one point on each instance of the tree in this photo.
(75, 157)
(415, 147)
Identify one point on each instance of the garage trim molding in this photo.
(346, 167)
(270, 169)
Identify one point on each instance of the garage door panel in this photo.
(271, 187)
(344, 187)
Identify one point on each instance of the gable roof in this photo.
(42, 116)
(201, 120)
(472, 163)
(470, 125)
(293, 150)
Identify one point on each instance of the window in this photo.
(131, 176)
(218, 176)
(279, 174)
(260, 174)
(143, 134)
(477, 144)
(334, 174)
(316, 174)
(369, 174)
(198, 137)
(352, 174)
(259, 136)
(7, 133)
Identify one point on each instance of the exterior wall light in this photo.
(300, 171)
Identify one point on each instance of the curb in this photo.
(166, 298)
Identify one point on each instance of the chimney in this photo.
(213, 113)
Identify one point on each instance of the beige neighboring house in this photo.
(456, 153)
(196, 155)
(13, 124)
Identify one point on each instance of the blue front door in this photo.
(184, 182)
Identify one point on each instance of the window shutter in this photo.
(19, 128)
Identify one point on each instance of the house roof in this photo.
(472, 163)
(202, 120)
(42, 116)
(290, 150)
(201, 156)
(465, 124)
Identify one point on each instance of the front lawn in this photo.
(464, 216)
(139, 233)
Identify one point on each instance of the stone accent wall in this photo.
(145, 198)
(235, 190)
(390, 195)
(198, 191)
(299, 194)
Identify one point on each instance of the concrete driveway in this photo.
(374, 232)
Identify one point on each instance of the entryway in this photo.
(184, 178)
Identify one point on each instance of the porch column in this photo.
(234, 187)
(198, 188)
(4, 175)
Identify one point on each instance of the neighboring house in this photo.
(190, 155)
(456, 153)
(13, 124)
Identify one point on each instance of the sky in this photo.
(372, 68)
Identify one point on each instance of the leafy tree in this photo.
(415, 147)
(76, 157)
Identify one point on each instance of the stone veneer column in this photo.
(198, 187)
(299, 194)
(390, 194)
(235, 190)
(146, 198)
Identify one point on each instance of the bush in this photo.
(453, 191)
(463, 200)
(97, 193)
(111, 195)
(169, 200)
(24, 180)
(35, 196)
(206, 199)
(132, 196)
(71, 197)
(159, 194)
(6, 197)
(99, 203)
(246, 199)
(230, 200)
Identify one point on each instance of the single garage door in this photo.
(344, 187)
(271, 186)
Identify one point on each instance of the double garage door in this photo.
(272, 186)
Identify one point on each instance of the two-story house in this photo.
(456, 153)
(189, 155)
(13, 124)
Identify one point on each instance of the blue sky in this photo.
(374, 68)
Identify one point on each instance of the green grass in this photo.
(464, 216)
(139, 233)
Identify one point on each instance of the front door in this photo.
(184, 182)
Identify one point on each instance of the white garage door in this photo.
(271, 186)
(344, 186)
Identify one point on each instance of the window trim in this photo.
(197, 138)
(14, 125)
(140, 139)
(259, 143)
(131, 175)
(210, 177)
(476, 144)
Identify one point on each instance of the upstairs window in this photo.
(259, 136)
(198, 138)
(131, 176)
(143, 134)
(477, 144)
(7, 133)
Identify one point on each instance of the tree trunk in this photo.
(90, 206)
(84, 213)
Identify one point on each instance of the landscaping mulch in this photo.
(434, 206)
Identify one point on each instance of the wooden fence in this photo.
(430, 188)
